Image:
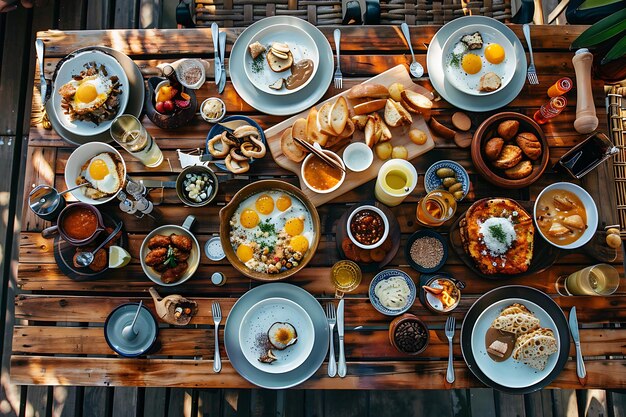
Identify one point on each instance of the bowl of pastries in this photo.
(510, 150)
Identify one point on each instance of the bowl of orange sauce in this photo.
(78, 224)
(319, 176)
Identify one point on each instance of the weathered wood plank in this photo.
(482, 402)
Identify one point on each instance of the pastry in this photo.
(530, 145)
(519, 171)
(510, 156)
(493, 147)
(508, 129)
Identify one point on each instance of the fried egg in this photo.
(91, 93)
(471, 63)
(494, 53)
(249, 218)
(283, 202)
(265, 204)
(101, 172)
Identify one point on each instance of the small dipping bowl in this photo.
(433, 182)
(425, 233)
(213, 109)
(146, 326)
(309, 159)
(81, 216)
(46, 202)
(405, 341)
(209, 188)
(386, 274)
(191, 67)
(385, 225)
(358, 157)
(433, 302)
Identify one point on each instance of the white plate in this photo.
(78, 158)
(510, 373)
(468, 83)
(73, 67)
(257, 322)
(500, 98)
(300, 43)
(292, 103)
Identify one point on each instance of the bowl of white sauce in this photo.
(392, 292)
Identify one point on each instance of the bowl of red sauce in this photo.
(79, 224)
(368, 227)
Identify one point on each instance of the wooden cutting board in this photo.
(400, 136)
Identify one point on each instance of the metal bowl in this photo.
(196, 169)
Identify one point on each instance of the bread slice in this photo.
(339, 115)
(518, 324)
(406, 116)
(290, 148)
(360, 120)
(393, 117)
(299, 131)
(369, 106)
(489, 82)
(313, 133)
(348, 131)
(279, 65)
(417, 103)
(385, 133)
(323, 118)
(256, 49)
(368, 90)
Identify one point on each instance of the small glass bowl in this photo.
(209, 102)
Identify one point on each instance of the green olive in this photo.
(449, 182)
(445, 172)
(458, 195)
(456, 187)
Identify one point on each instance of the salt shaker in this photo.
(586, 120)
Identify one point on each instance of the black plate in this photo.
(526, 293)
(425, 233)
(64, 253)
(544, 254)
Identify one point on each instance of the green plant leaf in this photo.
(593, 4)
(601, 31)
(617, 51)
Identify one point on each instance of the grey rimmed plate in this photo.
(278, 380)
(458, 98)
(288, 104)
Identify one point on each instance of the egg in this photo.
(245, 253)
(265, 204)
(91, 93)
(299, 243)
(249, 218)
(471, 63)
(283, 202)
(282, 335)
(494, 53)
(294, 226)
(101, 172)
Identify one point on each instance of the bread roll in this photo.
(531, 146)
(368, 91)
(510, 156)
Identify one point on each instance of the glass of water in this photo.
(128, 131)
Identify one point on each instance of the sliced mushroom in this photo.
(280, 47)
(277, 85)
(217, 147)
(236, 167)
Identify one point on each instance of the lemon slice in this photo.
(118, 257)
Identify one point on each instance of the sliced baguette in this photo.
(323, 118)
(299, 131)
(395, 114)
(441, 130)
(368, 90)
(417, 103)
(385, 133)
(348, 131)
(370, 132)
(369, 106)
(313, 133)
(290, 148)
(279, 65)
(360, 121)
(339, 115)
(334, 141)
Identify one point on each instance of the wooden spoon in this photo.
(166, 308)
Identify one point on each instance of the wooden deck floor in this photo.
(16, 68)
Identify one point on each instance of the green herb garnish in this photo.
(267, 227)
(498, 233)
(257, 63)
(455, 61)
(170, 259)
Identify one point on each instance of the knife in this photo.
(158, 184)
(43, 84)
(573, 326)
(341, 369)
(216, 61)
(220, 88)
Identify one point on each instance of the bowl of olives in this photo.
(447, 175)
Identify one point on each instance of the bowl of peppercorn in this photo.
(408, 334)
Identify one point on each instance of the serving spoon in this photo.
(86, 258)
(417, 70)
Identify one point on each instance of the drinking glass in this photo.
(346, 277)
(128, 131)
(435, 208)
(601, 279)
(396, 179)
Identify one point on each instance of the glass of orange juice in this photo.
(435, 208)
(346, 277)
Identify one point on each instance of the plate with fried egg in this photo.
(90, 90)
(269, 230)
(478, 60)
(100, 166)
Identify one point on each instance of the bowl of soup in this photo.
(78, 224)
(566, 215)
(319, 176)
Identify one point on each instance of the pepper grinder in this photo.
(586, 120)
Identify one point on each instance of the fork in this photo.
(338, 74)
(532, 73)
(216, 310)
(450, 323)
(332, 320)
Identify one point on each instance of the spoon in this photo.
(417, 70)
(86, 258)
(129, 332)
(53, 195)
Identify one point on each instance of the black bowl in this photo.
(420, 234)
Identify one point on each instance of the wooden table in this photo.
(59, 336)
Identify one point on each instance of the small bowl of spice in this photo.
(442, 293)
(191, 73)
(196, 185)
(426, 251)
(368, 227)
(213, 110)
(409, 334)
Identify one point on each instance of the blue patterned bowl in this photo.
(433, 182)
(386, 274)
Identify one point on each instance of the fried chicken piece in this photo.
(100, 261)
(160, 268)
(180, 255)
(156, 256)
(113, 241)
(181, 242)
(174, 274)
(159, 241)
